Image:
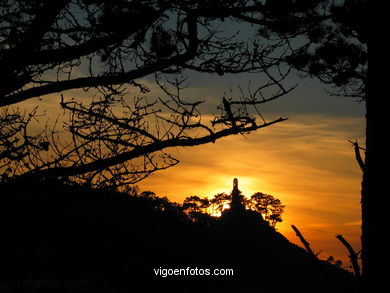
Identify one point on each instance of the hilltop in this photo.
(61, 237)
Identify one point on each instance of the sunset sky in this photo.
(113, 113)
(306, 162)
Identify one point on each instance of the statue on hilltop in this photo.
(237, 204)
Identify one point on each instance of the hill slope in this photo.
(62, 238)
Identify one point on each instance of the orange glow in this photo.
(306, 162)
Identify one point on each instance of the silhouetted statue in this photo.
(235, 184)
(237, 205)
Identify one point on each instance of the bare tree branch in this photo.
(352, 255)
(304, 242)
(358, 155)
(105, 49)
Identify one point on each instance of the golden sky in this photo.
(306, 162)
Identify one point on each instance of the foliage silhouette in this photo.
(112, 131)
(270, 207)
(267, 207)
(63, 231)
(65, 237)
(333, 47)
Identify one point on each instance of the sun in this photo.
(247, 185)
(216, 213)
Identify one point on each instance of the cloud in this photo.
(307, 162)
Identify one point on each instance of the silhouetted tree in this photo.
(85, 239)
(332, 45)
(268, 206)
(220, 201)
(329, 40)
(197, 209)
(338, 263)
(195, 204)
(116, 135)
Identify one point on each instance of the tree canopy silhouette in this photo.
(112, 132)
(329, 41)
(81, 239)
(267, 206)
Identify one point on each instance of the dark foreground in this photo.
(61, 238)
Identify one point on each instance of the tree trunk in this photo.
(374, 192)
(365, 203)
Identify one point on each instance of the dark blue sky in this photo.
(310, 96)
